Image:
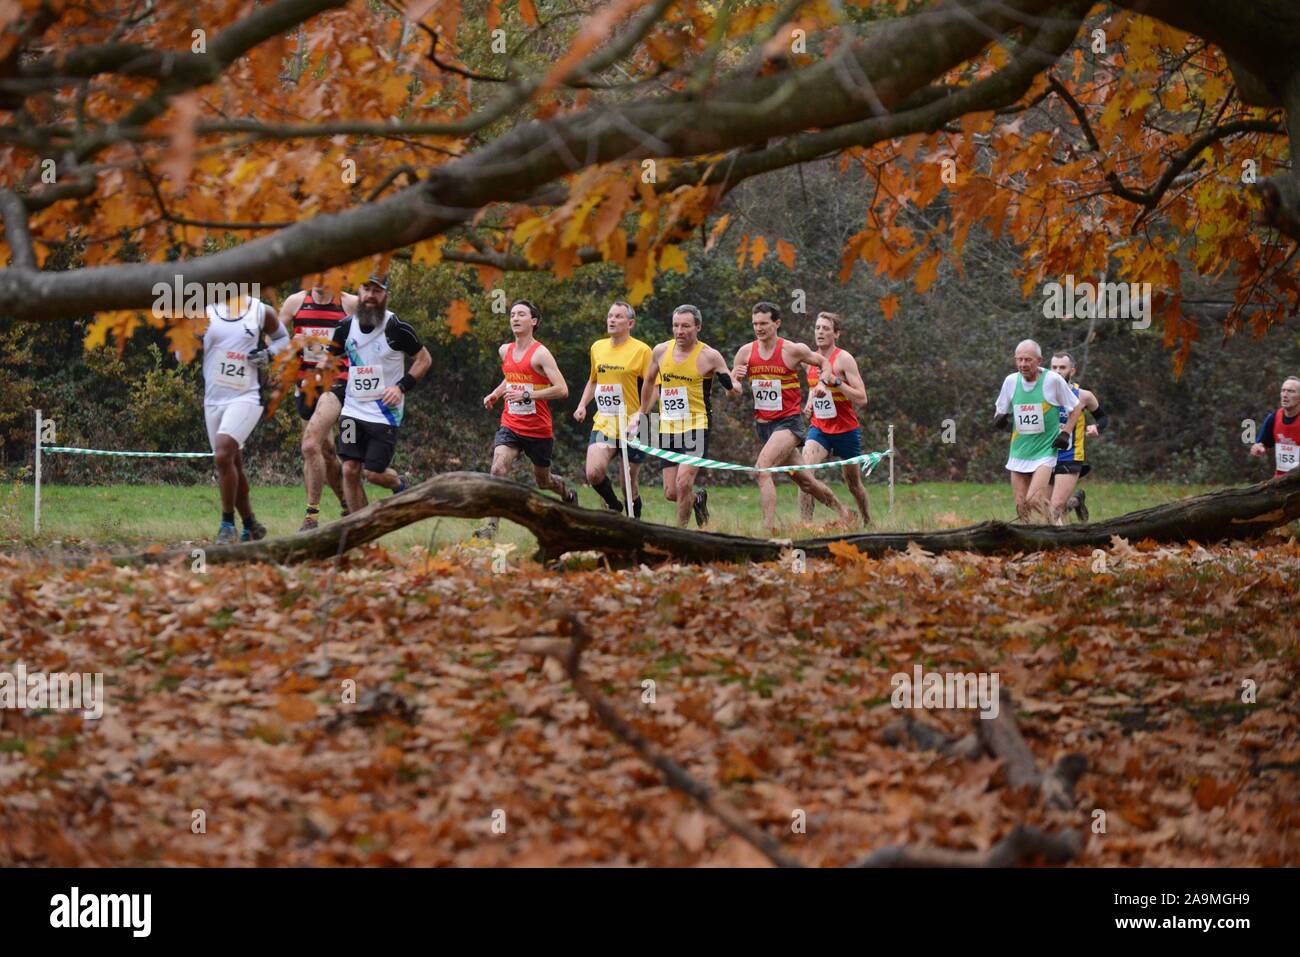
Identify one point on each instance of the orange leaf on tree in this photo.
(458, 317)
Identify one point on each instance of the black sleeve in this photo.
(402, 337)
(1265, 434)
(1101, 417)
(339, 341)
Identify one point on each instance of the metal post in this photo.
(891, 468)
(36, 523)
(627, 471)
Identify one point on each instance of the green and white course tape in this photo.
(868, 461)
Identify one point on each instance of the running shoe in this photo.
(701, 508)
(253, 533)
(227, 535)
(1080, 508)
(309, 523)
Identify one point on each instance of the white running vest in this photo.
(227, 375)
(373, 366)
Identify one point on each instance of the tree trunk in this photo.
(1229, 514)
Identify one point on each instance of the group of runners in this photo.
(658, 397)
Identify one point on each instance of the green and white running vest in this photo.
(1036, 421)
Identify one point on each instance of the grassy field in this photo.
(129, 515)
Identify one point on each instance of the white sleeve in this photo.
(1058, 392)
(1004, 397)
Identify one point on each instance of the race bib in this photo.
(313, 353)
(1029, 418)
(609, 398)
(365, 382)
(233, 371)
(767, 394)
(1287, 456)
(674, 404)
(519, 399)
(823, 406)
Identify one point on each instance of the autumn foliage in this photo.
(225, 694)
(1130, 157)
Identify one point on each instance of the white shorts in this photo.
(1031, 465)
(235, 419)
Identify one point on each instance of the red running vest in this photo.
(846, 418)
(788, 379)
(521, 415)
(1284, 435)
(317, 319)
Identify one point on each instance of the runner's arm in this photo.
(718, 366)
(291, 305)
(1264, 438)
(650, 386)
(277, 337)
(804, 355)
(851, 383)
(740, 368)
(1002, 408)
(545, 363)
(588, 393)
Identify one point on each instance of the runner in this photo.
(313, 315)
(1031, 399)
(835, 429)
(1281, 430)
(1070, 463)
(618, 367)
(772, 366)
(531, 380)
(233, 355)
(681, 374)
(374, 341)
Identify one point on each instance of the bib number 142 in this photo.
(1029, 418)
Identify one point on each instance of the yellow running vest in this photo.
(617, 373)
(681, 392)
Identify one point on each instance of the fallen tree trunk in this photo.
(1235, 513)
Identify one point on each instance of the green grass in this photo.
(131, 515)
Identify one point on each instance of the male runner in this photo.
(772, 366)
(531, 380)
(1070, 463)
(835, 429)
(681, 374)
(375, 341)
(618, 366)
(1281, 430)
(313, 315)
(1030, 402)
(233, 355)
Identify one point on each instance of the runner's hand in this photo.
(739, 372)
(580, 414)
(392, 397)
(1092, 432)
(1062, 441)
(633, 423)
(489, 400)
(1258, 449)
(259, 358)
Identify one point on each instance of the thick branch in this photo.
(17, 235)
(900, 57)
(1217, 516)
